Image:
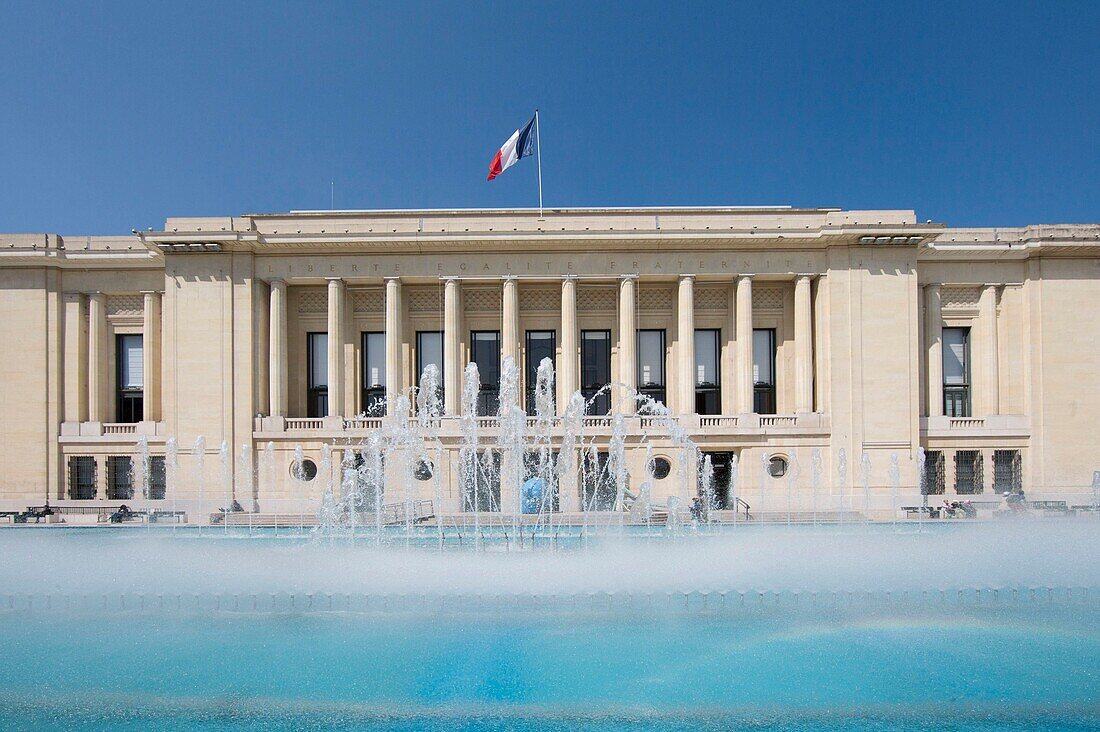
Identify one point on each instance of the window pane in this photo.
(540, 345)
(318, 360)
(486, 354)
(429, 351)
(706, 357)
(956, 355)
(131, 373)
(595, 358)
(651, 358)
(374, 360)
(763, 356)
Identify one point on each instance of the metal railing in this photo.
(406, 512)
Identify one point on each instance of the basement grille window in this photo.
(82, 477)
(120, 478)
(1007, 471)
(968, 472)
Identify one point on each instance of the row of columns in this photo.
(567, 375)
(86, 396)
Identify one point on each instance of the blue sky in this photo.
(115, 116)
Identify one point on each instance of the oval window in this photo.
(306, 470)
(424, 470)
(777, 466)
(661, 468)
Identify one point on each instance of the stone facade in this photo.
(857, 303)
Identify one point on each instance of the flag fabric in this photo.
(519, 145)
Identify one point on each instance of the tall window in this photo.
(763, 370)
(374, 373)
(1008, 473)
(317, 374)
(120, 478)
(481, 481)
(934, 473)
(485, 352)
(956, 372)
(968, 472)
(82, 477)
(651, 365)
(540, 345)
(429, 352)
(708, 395)
(540, 481)
(131, 378)
(596, 370)
(598, 486)
(157, 477)
(718, 493)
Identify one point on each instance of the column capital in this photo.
(933, 286)
(149, 292)
(334, 279)
(628, 277)
(686, 277)
(570, 277)
(805, 276)
(741, 276)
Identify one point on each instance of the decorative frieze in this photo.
(482, 300)
(712, 297)
(960, 297)
(595, 299)
(367, 302)
(540, 299)
(652, 298)
(125, 306)
(767, 297)
(312, 301)
(425, 300)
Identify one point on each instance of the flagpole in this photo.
(538, 156)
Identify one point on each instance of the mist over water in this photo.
(759, 558)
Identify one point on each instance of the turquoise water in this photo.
(148, 655)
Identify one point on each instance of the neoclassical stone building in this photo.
(813, 352)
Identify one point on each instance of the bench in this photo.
(1059, 506)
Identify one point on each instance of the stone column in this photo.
(933, 339)
(509, 325)
(729, 353)
(570, 358)
(150, 348)
(336, 307)
(452, 357)
(277, 359)
(685, 329)
(393, 343)
(744, 344)
(987, 306)
(628, 342)
(803, 347)
(97, 357)
(76, 358)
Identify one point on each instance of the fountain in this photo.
(536, 605)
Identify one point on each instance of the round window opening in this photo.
(304, 470)
(661, 468)
(424, 470)
(777, 466)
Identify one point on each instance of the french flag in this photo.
(519, 145)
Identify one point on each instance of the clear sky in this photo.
(114, 116)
